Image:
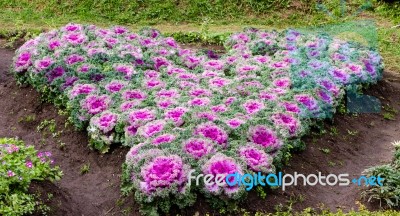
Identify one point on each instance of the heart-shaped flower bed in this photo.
(181, 110)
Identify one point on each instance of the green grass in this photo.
(169, 15)
(204, 20)
(140, 11)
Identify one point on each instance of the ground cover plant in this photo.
(179, 109)
(20, 165)
(389, 193)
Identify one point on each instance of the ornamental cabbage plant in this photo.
(180, 109)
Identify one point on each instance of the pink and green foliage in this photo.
(188, 110)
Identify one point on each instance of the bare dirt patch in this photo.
(94, 193)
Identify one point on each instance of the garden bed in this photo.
(357, 143)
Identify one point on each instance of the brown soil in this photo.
(97, 192)
(94, 193)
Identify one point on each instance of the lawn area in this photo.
(213, 21)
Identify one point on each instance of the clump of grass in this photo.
(389, 116)
(334, 131)
(390, 112)
(27, 118)
(325, 150)
(85, 169)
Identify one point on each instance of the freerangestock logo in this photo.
(282, 180)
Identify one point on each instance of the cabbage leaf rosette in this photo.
(181, 109)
